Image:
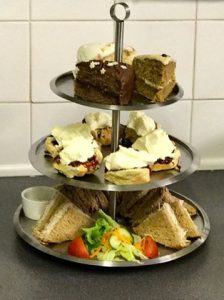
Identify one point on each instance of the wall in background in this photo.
(39, 41)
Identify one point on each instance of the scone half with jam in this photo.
(80, 157)
(62, 135)
(158, 144)
(127, 166)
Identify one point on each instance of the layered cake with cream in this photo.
(128, 166)
(103, 51)
(155, 76)
(104, 82)
(164, 153)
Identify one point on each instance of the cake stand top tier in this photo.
(64, 87)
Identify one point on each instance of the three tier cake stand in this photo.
(63, 86)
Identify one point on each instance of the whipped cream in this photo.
(64, 135)
(157, 143)
(96, 51)
(79, 149)
(100, 51)
(141, 123)
(97, 120)
(127, 158)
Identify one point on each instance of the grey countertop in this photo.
(26, 273)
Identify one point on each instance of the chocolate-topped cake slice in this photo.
(155, 76)
(104, 82)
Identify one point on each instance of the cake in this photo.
(104, 51)
(61, 221)
(127, 166)
(155, 76)
(104, 82)
(165, 154)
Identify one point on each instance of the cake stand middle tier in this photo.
(189, 162)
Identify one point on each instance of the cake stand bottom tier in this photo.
(24, 227)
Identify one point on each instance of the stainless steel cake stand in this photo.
(63, 86)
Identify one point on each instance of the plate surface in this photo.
(24, 227)
(64, 85)
(189, 162)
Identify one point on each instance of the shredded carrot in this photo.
(95, 252)
(105, 239)
(139, 246)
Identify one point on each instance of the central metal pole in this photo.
(119, 33)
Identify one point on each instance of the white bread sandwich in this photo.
(61, 221)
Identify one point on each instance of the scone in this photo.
(80, 157)
(100, 124)
(61, 136)
(138, 125)
(127, 166)
(164, 152)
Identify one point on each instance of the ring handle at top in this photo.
(113, 13)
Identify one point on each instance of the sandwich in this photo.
(148, 212)
(61, 221)
(164, 228)
(89, 201)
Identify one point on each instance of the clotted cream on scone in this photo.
(158, 144)
(128, 166)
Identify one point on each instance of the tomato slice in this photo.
(77, 248)
(150, 248)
